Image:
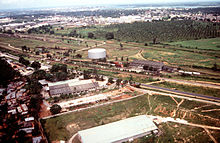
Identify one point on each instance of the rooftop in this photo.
(71, 86)
(84, 100)
(118, 131)
(146, 62)
(97, 50)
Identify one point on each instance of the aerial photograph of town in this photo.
(119, 71)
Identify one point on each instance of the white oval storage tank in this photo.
(97, 53)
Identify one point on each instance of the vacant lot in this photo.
(173, 132)
(63, 127)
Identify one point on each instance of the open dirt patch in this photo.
(44, 112)
(168, 53)
(72, 127)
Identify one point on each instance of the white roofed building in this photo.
(117, 132)
(72, 86)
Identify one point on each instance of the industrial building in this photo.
(151, 66)
(117, 132)
(97, 53)
(71, 86)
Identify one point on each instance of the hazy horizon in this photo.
(25, 4)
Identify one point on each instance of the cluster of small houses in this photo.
(26, 71)
(18, 100)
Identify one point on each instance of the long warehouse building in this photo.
(118, 132)
(71, 86)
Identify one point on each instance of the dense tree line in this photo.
(161, 31)
(42, 30)
(33, 86)
(7, 73)
(59, 72)
(36, 65)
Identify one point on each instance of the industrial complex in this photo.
(152, 66)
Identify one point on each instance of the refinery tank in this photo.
(97, 53)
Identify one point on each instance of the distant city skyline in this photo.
(20, 4)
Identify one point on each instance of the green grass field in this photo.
(180, 58)
(207, 44)
(189, 88)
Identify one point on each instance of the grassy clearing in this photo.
(208, 44)
(190, 88)
(209, 78)
(18, 42)
(180, 58)
(172, 132)
(62, 127)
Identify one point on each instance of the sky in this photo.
(18, 4)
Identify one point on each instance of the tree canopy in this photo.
(36, 65)
(7, 73)
(34, 87)
(39, 75)
(59, 68)
(24, 61)
(90, 35)
(161, 30)
(55, 109)
(109, 35)
(61, 76)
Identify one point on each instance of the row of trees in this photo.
(36, 65)
(122, 58)
(42, 30)
(108, 35)
(58, 73)
(159, 31)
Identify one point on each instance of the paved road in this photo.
(183, 93)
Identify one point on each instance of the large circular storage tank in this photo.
(97, 53)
